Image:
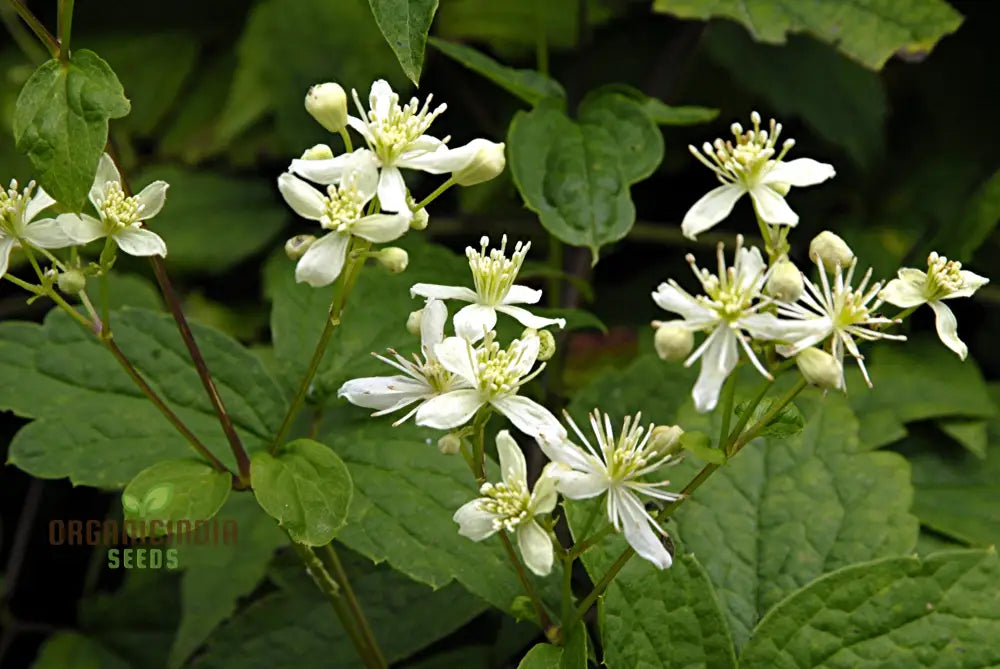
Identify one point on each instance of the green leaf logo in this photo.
(156, 499)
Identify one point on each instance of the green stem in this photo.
(582, 547)
(348, 147)
(522, 575)
(541, 44)
(567, 586)
(769, 416)
(65, 28)
(354, 605)
(434, 195)
(41, 32)
(479, 444)
(25, 41)
(30, 287)
(728, 397)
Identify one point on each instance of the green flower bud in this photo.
(785, 283)
(413, 322)
(546, 344)
(819, 368)
(393, 259)
(297, 246)
(450, 444)
(420, 219)
(487, 164)
(831, 250)
(318, 152)
(327, 103)
(71, 281)
(666, 439)
(673, 342)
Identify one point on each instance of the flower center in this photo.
(496, 368)
(944, 276)
(748, 156)
(344, 206)
(394, 129)
(850, 308)
(730, 292)
(437, 376)
(495, 273)
(118, 209)
(12, 204)
(509, 501)
(628, 455)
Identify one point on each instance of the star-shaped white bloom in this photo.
(617, 467)
(342, 212)
(120, 216)
(944, 280)
(748, 164)
(18, 225)
(839, 313)
(396, 136)
(493, 275)
(511, 506)
(728, 309)
(494, 376)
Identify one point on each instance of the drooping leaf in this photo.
(405, 24)
(529, 85)
(870, 31)
(61, 122)
(174, 490)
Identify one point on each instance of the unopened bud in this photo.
(785, 282)
(819, 368)
(487, 164)
(393, 259)
(318, 152)
(831, 250)
(450, 444)
(420, 219)
(673, 342)
(72, 281)
(546, 344)
(666, 439)
(297, 246)
(327, 103)
(413, 322)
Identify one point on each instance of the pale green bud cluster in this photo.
(831, 250)
(672, 342)
(820, 368)
(785, 282)
(327, 103)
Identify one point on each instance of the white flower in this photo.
(494, 376)
(17, 225)
(748, 164)
(121, 216)
(423, 377)
(396, 135)
(725, 312)
(509, 506)
(944, 280)
(342, 212)
(840, 313)
(617, 467)
(493, 276)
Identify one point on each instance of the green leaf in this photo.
(61, 122)
(788, 422)
(95, 426)
(785, 511)
(542, 656)
(664, 114)
(174, 490)
(213, 221)
(575, 648)
(636, 136)
(71, 650)
(700, 444)
(941, 611)
(296, 627)
(972, 434)
(869, 31)
(306, 487)
(529, 85)
(405, 24)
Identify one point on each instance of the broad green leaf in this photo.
(960, 238)
(61, 122)
(212, 221)
(95, 426)
(132, 290)
(700, 444)
(296, 627)
(785, 511)
(575, 646)
(173, 490)
(529, 85)
(639, 141)
(941, 611)
(788, 422)
(542, 656)
(305, 487)
(71, 650)
(972, 434)
(405, 24)
(869, 31)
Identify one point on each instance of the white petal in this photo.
(40, 201)
(444, 292)
(361, 128)
(947, 328)
(800, 172)
(6, 246)
(973, 282)
(679, 302)
(447, 160)
(424, 143)
(639, 533)
(560, 450)
(322, 262)
(473, 522)
(512, 464)
(750, 267)
(326, 172)
(769, 326)
(535, 545)
(772, 207)
(140, 242)
(432, 327)
(903, 294)
(528, 348)
(382, 392)
(714, 206)
(455, 355)
(106, 172)
(545, 494)
(380, 97)
(47, 234)
(472, 322)
(361, 169)
(81, 228)
(449, 410)
(392, 190)
(717, 363)
(304, 200)
(528, 319)
(522, 295)
(527, 415)
(381, 228)
(581, 484)
(152, 198)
